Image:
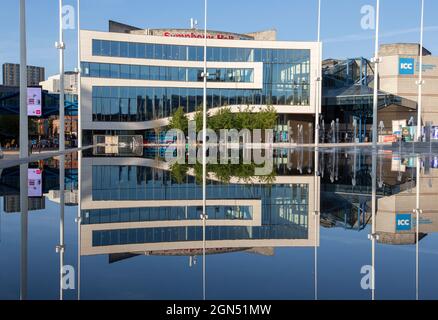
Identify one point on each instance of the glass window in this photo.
(200, 54)
(222, 75)
(192, 53)
(266, 55)
(210, 54)
(182, 53)
(94, 70)
(104, 70)
(225, 54)
(115, 49)
(274, 55)
(174, 74)
(175, 52)
(182, 74)
(211, 74)
(257, 55)
(123, 92)
(216, 54)
(158, 52)
(233, 54)
(96, 47)
(115, 109)
(106, 51)
(133, 106)
(154, 73)
(135, 72)
(144, 72)
(115, 71)
(124, 71)
(124, 110)
(141, 51)
(105, 92)
(132, 50)
(183, 98)
(192, 74)
(167, 52)
(85, 66)
(163, 73)
(149, 51)
(192, 100)
(200, 71)
(124, 49)
(106, 106)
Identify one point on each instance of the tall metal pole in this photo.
(417, 212)
(61, 46)
(24, 153)
(78, 219)
(79, 75)
(316, 222)
(204, 153)
(24, 138)
(373, 235)
(420, 77)
(318, 96)
(376, 60)
(61, 247)
(23, 230)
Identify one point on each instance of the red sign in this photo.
(198, 35)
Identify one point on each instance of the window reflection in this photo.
(137, 72)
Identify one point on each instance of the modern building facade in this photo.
(348, 91)
(399, 72)
(133, 80)
(11, 75)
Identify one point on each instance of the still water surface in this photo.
(141, 236)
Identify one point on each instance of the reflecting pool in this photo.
(129, 226)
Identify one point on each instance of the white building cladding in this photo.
(133, 82)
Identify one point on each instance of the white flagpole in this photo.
(373, 235)
(24, 153)
(419, 134)
(204, 153)
(61, 47)
(24, 138)
(420, 78)
(417, 212)
(376, 60)
(79, 75)
(318, 97)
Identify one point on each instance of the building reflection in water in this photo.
(135, 205)
(132, 206)
(139, 206)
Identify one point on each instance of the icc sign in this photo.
(403, 222)
(407, 66)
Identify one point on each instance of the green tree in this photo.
(179, 172)
(199, 119)
(179, 120)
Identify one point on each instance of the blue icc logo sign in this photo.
(406, 66)
(403, 222)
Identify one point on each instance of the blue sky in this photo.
(293, 19)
